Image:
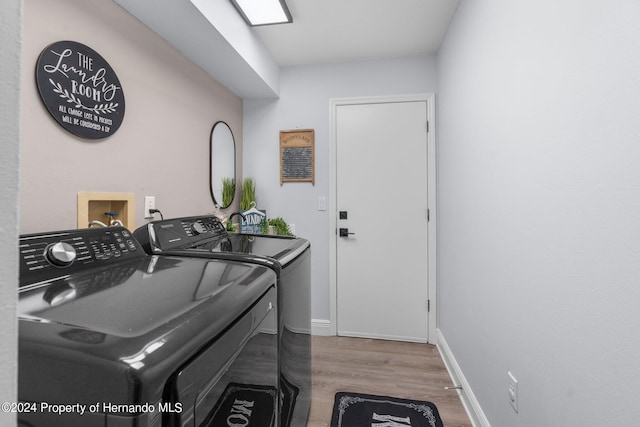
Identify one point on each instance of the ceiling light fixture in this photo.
(263, 12)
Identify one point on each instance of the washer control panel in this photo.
(49, 255)
(203, 225)
(180, 233)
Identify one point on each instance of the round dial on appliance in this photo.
(60, 254)
(198, 228)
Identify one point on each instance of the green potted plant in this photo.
(280, 226)
(248, 193)
(264, 226)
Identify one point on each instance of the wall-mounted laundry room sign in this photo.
(80, 90)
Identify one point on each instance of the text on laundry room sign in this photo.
(80, 90)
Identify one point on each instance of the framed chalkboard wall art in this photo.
(80, 90)
(297, 156)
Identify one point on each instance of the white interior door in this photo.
(381, 187)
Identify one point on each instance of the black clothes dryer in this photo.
(110, 336)
(289, 257)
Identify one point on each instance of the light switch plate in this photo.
(322, 203)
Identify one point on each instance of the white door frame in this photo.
(429, 98)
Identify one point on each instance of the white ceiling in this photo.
(213, 35)
(345, 30)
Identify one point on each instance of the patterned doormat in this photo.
(244, 404)
(365, 410)
(250, 405)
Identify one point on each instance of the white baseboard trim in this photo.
(322, 328)
(469, 401)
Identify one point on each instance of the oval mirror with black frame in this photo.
(222, 165)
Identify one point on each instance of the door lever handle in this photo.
(344, 232)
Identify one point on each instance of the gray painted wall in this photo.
(10, 42)
(162, 146)
(539, 207)
(305, 92)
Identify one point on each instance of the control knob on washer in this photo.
(60, 254)
(198, 228)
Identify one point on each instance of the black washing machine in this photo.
(289, 257)
(110, 336)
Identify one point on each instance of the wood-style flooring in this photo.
(388, 368)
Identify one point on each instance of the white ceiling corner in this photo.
(323, 31)
(347, 30)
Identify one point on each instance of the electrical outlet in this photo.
(512, 391)
(149, 203)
